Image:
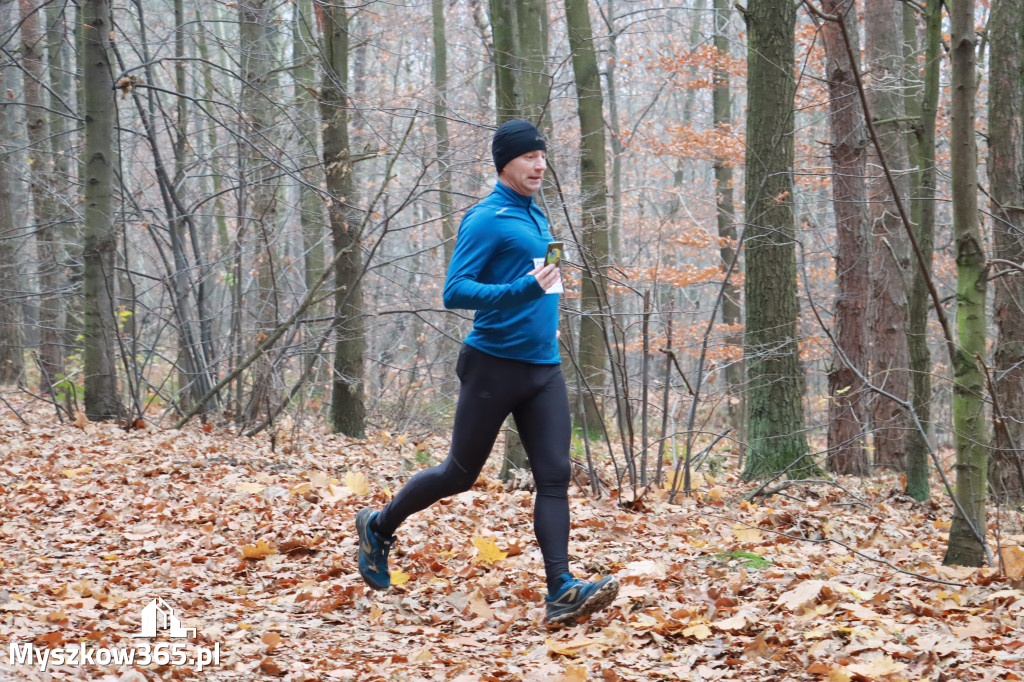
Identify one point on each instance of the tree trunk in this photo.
(311, 206)
(969, 428)
(257, 105)
(1006, 179)
(66, 224)
(189, 388)
(101, 395)
(732, 313)
(923, 215)
(890, 359)
(615, 224)
(776, 425)
(594, 229)
(12, 339)
(348, 411)
(44, 198)
(505, 32)
(441, 128)
(848, 416)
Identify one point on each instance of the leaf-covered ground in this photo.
(95, 522)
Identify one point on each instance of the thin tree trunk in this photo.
(44, 198)
(505, 33)
(965, 547)
(101, 395)
(187, 369)
(311, 205)
(848, 400)
(257, 103)
(348, 411)
(776, 424)
(448, 346)
(615, 225)
(725, 212)
(441, 128)
(890, 359)
(1006, 179)
(66, 223)
(12, 338)
(923, 213)
(594, 229)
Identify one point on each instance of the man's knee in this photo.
(553, 480)
(458, 478)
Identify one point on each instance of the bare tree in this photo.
(1006, 179)
(12, 337)
(102, 400)
(966, 535)
(890, 359)
(848, 415)
(44, 197)
(776, 419)
(732, 312)
(923, 212)
(348, 410)
(594, 228)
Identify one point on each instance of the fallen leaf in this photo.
(699, 631)
(271, 639)
(71, 473)
(269, 666)
(803, 593)
(759, 648)
(479, 606)
(646, 569)
(737, 622)
(258, 551)
(570, 648)
(356, 482)
(399, 577)
(487, 551)
(745, 533)
(81, 421)
(1013, 561)
(574, 673)
(839, 675)
(880, 667)
(249, 487)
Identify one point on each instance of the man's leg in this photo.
(546, 430)
(482, 408)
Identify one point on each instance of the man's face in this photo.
(525, 173)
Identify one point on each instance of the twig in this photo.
(11, 408)
(790, 483)
(823, 541)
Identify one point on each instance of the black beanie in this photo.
(515, 138)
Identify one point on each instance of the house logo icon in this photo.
(157, 615)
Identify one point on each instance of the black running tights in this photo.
(491, 389)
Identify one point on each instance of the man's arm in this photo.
(474, 246)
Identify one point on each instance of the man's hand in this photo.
(547, 276)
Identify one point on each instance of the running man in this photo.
(509, 364)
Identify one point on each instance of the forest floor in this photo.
(254, 547)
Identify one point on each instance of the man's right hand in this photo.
(547, 276)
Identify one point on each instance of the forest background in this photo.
(795, 232)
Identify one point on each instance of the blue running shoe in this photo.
(578, 598)
(373, 552)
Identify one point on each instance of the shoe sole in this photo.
(362, 521)
(600, 599)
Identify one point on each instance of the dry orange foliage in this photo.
(803, 586)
